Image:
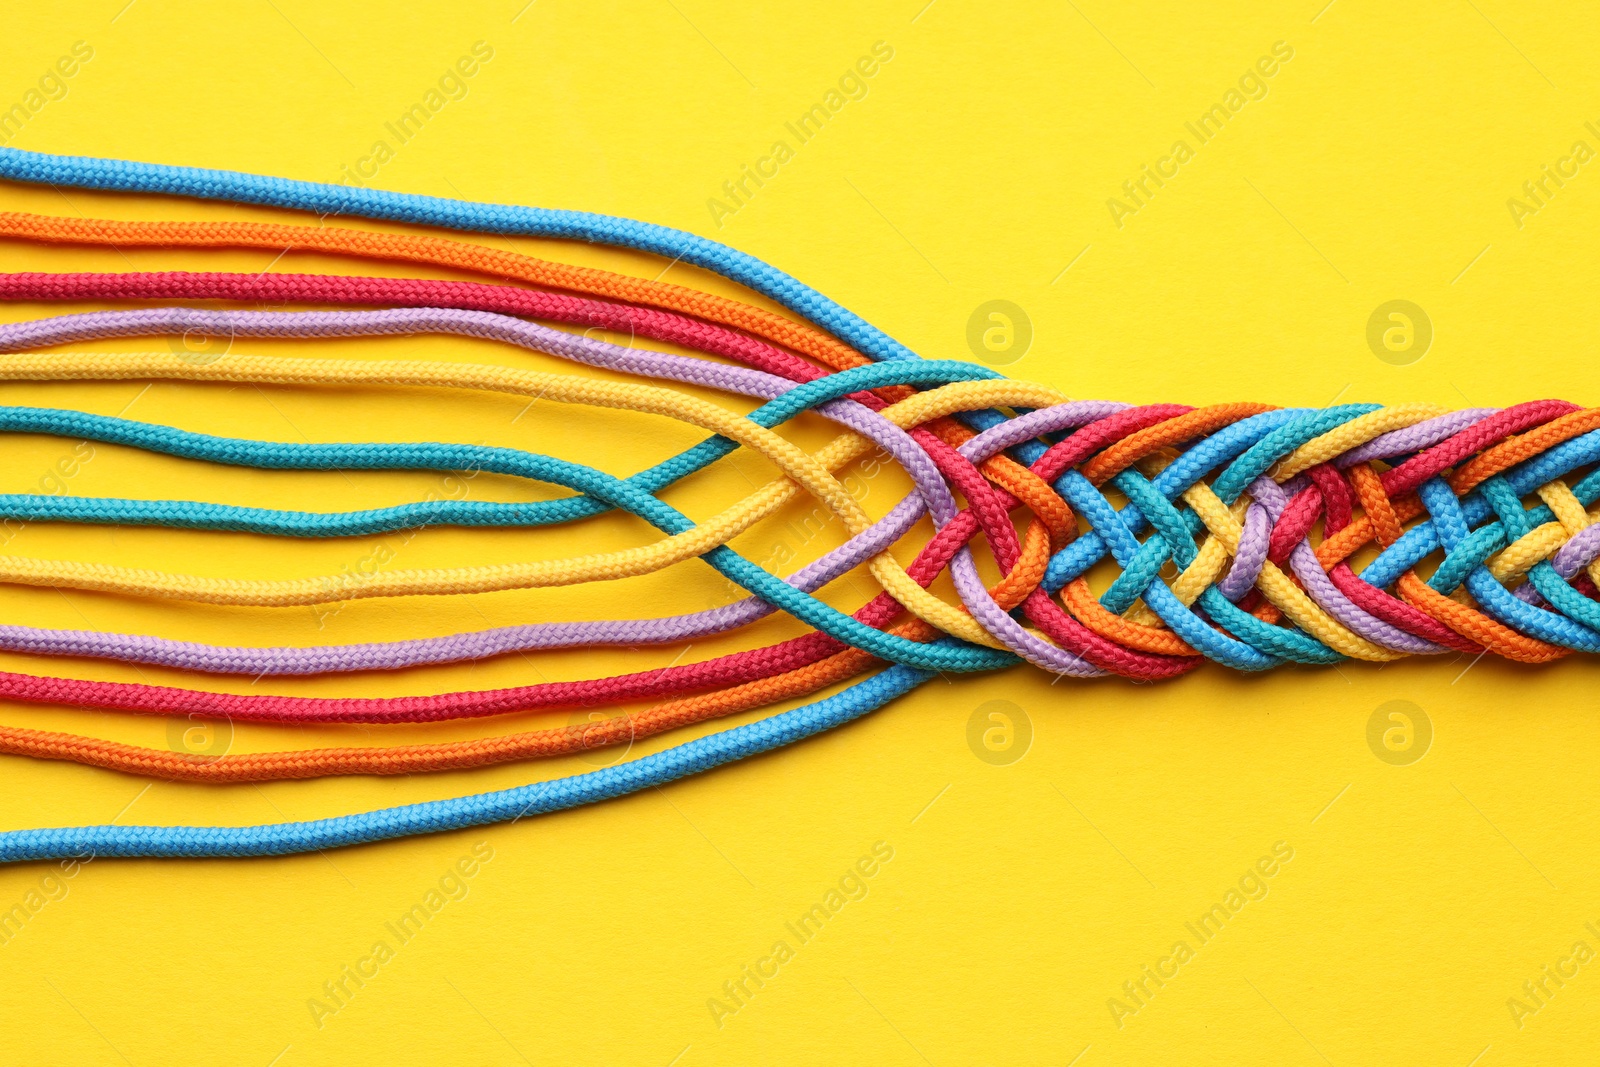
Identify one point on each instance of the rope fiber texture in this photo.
(1232, 532)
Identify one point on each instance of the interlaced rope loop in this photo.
(1120, 540)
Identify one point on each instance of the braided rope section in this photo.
(1243, 534)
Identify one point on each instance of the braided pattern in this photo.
(1234, 530)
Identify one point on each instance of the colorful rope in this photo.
(1258, 511)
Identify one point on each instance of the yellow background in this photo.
(1020, 897)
